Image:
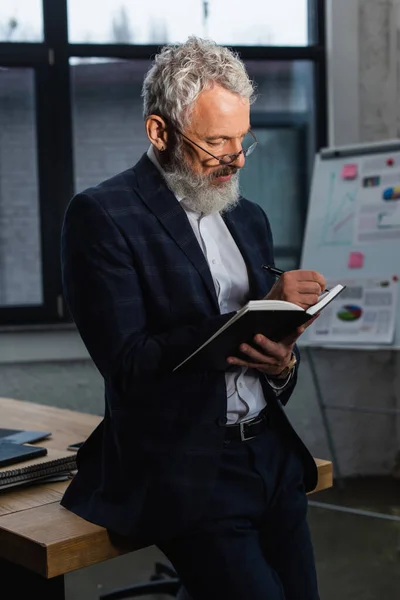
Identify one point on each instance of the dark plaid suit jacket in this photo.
(141, 294)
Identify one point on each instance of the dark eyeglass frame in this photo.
(225, 159)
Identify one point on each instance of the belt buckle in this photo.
(243, 433)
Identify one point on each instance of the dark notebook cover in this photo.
(11, 453)
(23, 436)
(274, 319)
(275, 325)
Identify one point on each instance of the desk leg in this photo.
(23, 583)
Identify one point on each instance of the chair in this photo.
(164, 581)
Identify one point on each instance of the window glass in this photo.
(108, 127)
(237, 22)
(20, 256)
(21, 21)
(277, 174)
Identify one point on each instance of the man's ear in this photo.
(156, 130)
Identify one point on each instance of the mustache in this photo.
(223, 172)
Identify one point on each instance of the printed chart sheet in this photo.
(363, 313)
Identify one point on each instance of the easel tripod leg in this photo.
(324, 417)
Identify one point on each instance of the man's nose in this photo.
(239, 160)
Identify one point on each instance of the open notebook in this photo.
(276, 319)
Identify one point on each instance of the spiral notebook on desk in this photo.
(55, 465)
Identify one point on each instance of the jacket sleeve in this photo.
(105, 299)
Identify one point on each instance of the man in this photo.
(202, 463)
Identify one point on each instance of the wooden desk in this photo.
(40, 541)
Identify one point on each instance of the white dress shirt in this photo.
(245, 398)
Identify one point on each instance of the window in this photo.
(108, 129)
(21, 21)
(277, 174)
(71, 116)
(20, 261)
(274, 178)
(132, 22)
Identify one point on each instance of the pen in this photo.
(279, 272)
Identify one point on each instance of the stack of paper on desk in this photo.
(55, 466)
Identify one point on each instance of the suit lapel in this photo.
(163, 203)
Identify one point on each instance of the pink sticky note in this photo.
(349, 171)
(356, 260)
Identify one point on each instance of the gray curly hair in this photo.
(180, 73)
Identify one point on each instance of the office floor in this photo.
(358, 556)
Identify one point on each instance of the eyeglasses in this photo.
(226, 159)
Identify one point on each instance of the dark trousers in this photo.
(254, 542)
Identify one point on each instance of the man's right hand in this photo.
(300, 287)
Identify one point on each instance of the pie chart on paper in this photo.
(350, 312)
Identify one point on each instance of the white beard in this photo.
(206, 199)
(198, 192)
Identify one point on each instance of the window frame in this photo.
(50, 61)
(298, 123)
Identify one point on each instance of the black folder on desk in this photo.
(23, 436)
(11, 453)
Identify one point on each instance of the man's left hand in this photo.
(268, 357)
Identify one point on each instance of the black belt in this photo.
(245, 430)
